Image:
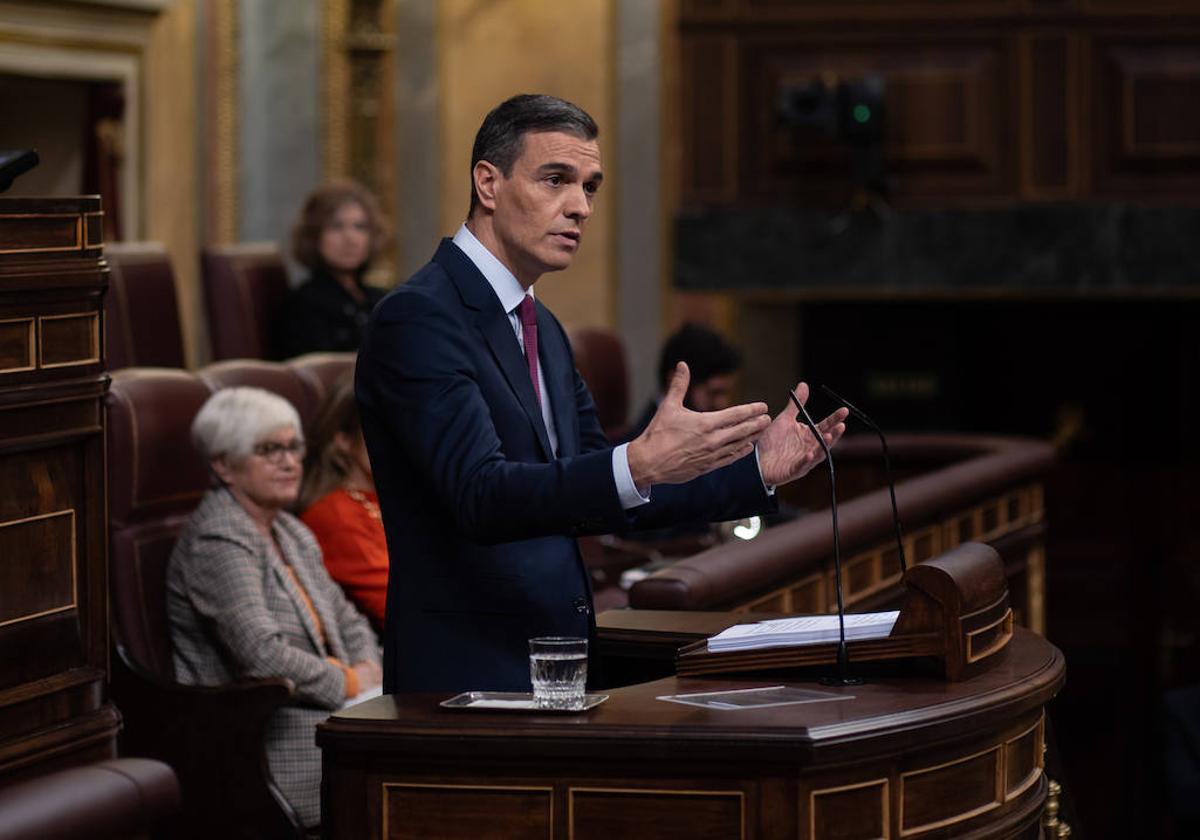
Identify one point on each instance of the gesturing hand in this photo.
(680, 444)
(788, 450)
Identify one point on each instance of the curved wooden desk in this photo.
(908, 756)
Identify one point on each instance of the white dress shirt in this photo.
(510, 292)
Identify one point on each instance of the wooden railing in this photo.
(974, 488)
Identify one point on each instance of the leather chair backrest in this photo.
(600, 358)
(141, 308)
(324, 369)
(296, 385)
(244, 287)
(155, 481)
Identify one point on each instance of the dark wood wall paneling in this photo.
(987, 102)
(53, 585)
(999, 104)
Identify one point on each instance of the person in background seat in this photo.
(338, 502)
(713, 362)
(248, 596)
(338, 236)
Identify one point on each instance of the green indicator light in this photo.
(862, 113)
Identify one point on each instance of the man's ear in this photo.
(487, 178)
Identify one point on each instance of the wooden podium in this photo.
(955, 611)
(902, 757)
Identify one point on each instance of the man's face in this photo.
(713, 394)
(539, 211)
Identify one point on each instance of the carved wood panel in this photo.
(1147, 128)
(53, 599)
(1011, 100)
(946, 127)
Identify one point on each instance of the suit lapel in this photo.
(555, 359)
(498, 333)
(493, 324)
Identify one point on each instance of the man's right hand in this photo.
(680, 444)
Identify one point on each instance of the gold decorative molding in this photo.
(1039, 752)
(487, 788)
(335, 111)
(89, 320)
(223, 112)
(998, 756)
(884, 801)
(740, 796)
(11, 329)
(74, 594)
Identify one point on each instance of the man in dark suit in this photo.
(487, 455)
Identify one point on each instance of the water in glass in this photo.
(558, 670)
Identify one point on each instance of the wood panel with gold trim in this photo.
(414, 811)
(53, 581)
(944, 131)
(1011, 100)
(1147, 130)
(599, 813)
(903, 756)
(872, 576)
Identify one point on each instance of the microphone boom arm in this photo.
(843, 655)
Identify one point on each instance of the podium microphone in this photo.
(843, 654)
(887, 467)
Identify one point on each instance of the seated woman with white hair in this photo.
(248, 595)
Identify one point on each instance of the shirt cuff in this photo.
(769, 488)
(627, 491)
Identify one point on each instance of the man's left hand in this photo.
(787, 450)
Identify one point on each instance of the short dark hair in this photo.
(707, 355)
(500, 138)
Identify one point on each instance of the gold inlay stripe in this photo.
(731, 794)
(997, 792)
(882, 784)
(77, 245)
(31, 352)
(70, 513)
(93, 319)
(436, 786)
(1039, 760)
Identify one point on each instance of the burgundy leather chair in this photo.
(124, 798)
(244, 287)
(323, 369)
(141, 310)
(298, 386)
(600, 358)
(211, 736)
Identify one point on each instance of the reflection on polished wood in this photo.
(907, 756)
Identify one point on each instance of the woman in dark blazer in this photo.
(339, 234)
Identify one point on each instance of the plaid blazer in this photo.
(235, 613)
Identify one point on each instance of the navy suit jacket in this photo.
(481, 517)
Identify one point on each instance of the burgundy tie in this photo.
(529, 334)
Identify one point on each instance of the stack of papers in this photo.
(802, 630)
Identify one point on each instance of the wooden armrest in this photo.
(213, 736)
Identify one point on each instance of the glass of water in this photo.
(558, 670)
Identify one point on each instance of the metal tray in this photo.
(513, 701)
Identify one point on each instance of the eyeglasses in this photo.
(276, 453)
